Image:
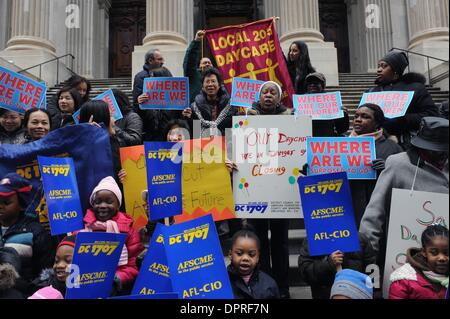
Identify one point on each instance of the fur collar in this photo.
(406, 272)
(413, 77)
(8, 276)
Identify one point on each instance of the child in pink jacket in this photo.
(105, 216)
(425, 275)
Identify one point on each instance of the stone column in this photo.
(89, 41)
(30, 43)
(5, 17)
(428, 32)
(170, 29)
(299, 20)
(375, 26)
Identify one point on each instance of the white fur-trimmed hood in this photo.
(406, 272)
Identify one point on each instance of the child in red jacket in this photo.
(104, 216)
(425, 275)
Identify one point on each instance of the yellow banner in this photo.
(206, 181)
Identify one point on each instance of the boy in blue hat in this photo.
(350, 284)
(20, 232)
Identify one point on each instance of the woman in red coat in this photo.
(105, 216)
(425, 276)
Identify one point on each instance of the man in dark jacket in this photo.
(390, 77)
(315, 84)
(153, 60)
(320, 271)
(194, 65)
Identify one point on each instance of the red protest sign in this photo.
(251, 51)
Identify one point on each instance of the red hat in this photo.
(67, 241)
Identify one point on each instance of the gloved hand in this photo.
(304, 170)
(379, 164)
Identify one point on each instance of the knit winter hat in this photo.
(47, 293)
(67, 241)
(273, 83)
(397, 60)
(108, 184)
(13, 183)
(352, 284)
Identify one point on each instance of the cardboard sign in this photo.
(61, 192)
(133, 162)
(195, 259)
(393, 103)
(329, 218)
(353, 155)
(154, 276)
(19, 93)
(270, 152)
(245, 92)
(94, 265)
(410, 215)
(324, 106)
(164, 179)
(108, 98)
(166, 93)
(206, 181)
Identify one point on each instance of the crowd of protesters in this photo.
(412, 147)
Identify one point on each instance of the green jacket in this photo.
(191, 69)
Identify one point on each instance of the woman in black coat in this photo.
(390, 77)
(129, 128)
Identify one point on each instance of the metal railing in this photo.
(428, 57)
(57, 66)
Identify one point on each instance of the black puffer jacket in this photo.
(319, 272)
(421, 106)
(129, 129)
(34, 246)
(260, 286)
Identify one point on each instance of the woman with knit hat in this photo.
(391, 77)
(104, 216)
(275, 249)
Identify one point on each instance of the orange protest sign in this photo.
(133, 161)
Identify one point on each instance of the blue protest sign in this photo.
(166, 93)
(393, 103)
(328, 211)
(165, 296)
(61, 192)
(164, 168)
(353, 155)
(245, 92)
(154, 275)
(108, 98)
(95, 259)
(19, 93)
(195, 259)
(323, 106)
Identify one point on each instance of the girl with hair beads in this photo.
(247, 280)
(425, 275)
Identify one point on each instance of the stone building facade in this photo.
(109, 38)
